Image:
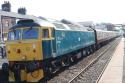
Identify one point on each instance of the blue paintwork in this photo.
(46, 47)
(66, 41)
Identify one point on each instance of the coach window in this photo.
(45, 33)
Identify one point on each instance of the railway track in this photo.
(81, 73)
(73, 73)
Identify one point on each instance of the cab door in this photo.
(47, 42)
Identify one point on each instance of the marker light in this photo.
(18, 51)
(8, 51)
(34, 50)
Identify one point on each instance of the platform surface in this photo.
(114, 71)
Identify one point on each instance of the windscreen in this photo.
(14, 35)
(25, 33)
(30, 33)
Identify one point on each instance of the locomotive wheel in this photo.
(87, 52)
(98, 46)
(79, 55)
(71, 59)
(91, 50)
(94, 48)
(62, 63)
(53, 70)
(65, 61)
(84, 53)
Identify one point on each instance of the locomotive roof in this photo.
(48, 23)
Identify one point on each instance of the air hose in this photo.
(17, 73)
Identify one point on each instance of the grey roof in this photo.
(16, 15)
(43, 22)
(87, 23)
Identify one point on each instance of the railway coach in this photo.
(103, 37)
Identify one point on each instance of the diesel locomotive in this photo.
(37, 48)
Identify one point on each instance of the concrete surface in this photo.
(114, 70)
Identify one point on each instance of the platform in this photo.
(115, 71)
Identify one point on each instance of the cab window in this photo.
(14, 35)
(30, 33)
(45, 33)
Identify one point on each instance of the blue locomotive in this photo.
(36, 48)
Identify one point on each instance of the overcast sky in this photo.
(78, 10)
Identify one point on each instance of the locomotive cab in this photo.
(24, 51)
